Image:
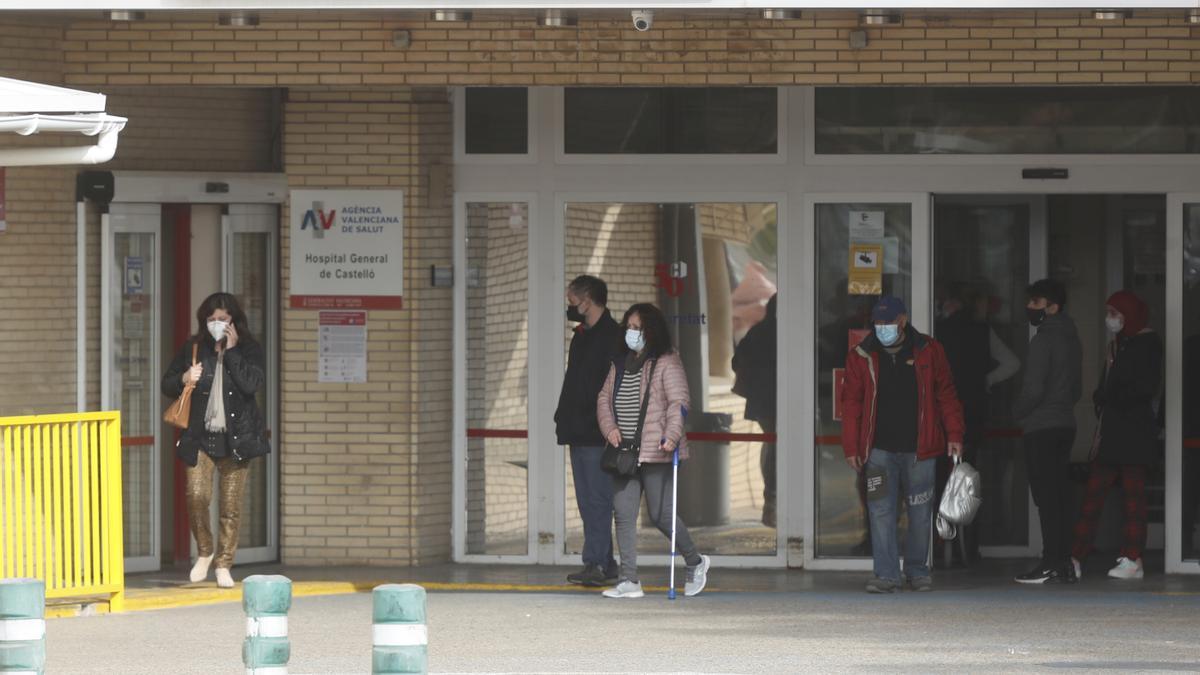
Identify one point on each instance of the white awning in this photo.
(29, 107)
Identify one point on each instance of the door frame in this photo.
(920, 314)
(1173, 520)
(261, 219)
(108, 232)
(1038, 261)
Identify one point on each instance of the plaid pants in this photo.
(1133, 528)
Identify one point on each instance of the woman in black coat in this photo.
(1127, 433)
(225, 431)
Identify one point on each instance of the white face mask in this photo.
(1114, 323)
(634, 339)
(217, 329)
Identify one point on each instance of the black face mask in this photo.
(573, 314)
(1036, 316)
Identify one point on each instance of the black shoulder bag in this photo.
(622, 460)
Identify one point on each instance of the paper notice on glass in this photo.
(342, 347)
(866, 269)
(866, 225)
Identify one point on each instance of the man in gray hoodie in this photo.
(1045, 410)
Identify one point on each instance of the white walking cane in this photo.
(674, 506)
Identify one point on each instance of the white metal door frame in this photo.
(261, 219)
(134, 219)
(920, 313)
(1176, 202)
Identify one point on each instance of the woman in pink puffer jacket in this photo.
(648, 364)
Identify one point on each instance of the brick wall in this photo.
(943, 47)
(366, 467)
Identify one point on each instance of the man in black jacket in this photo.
(592, 348)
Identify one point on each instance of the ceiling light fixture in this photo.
(126, 15)
(1111, 14)
(780, 14)
(451, 15)
(238, 19)
(877, 17)
(1193, 16)
(557, 18)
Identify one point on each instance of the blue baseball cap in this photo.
(887, 308)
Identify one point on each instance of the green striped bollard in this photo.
(266, 599)
(22, 626)
(401, 638)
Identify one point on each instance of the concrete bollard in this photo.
(22, 626)
(401, 639)
(266, 598)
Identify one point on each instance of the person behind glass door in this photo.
(1045, 410)
(978, 359)
(899, 414)
(593, 344)
(225, 431)
(1127, 438)
(754, 367)
(648, 348)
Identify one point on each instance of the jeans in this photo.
(655, 480)
(594, 496)
(890, 475)
(1047, 453)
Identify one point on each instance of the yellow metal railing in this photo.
(60, 495)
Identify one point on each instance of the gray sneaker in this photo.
(697, 577)
(921, 584)
(625, 589)
(877, 585)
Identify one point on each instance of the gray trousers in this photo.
(655, 481)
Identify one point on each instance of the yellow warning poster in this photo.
(866, 269)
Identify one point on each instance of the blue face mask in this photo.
(888, 334)
(634, 339)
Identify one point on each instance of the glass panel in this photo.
(497, 121)
(250, 267)
(711, 269)
(1191, 379)
(1007, 120)
(981, 270)
(842, 319)
(133, 385)
(497, 379)
(678, 120)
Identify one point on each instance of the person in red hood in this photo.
(900, 412)
(1127, 431)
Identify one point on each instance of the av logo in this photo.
(311, 217)
(670, 277)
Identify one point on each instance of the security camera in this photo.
(642, 19)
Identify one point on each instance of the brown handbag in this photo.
(179, 412)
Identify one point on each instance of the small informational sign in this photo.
(3, 201)
(342, 347)
(866, 269)
(347, 249)
(839, 383)
(135, 268)
(866, 225)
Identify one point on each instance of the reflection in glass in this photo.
(134, 270)
(497, 120)
(981, 270)
(1191, 380)
(711, 268)
(250, 266)
(497, 379)
(842, 321)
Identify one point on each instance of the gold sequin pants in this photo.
(199, 497)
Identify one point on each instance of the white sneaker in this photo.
(200, 569)
(697, 577)
(1127, 569)
(224, 578)
(625, 589)
(1077, 566)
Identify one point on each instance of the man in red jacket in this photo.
(899, 413)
